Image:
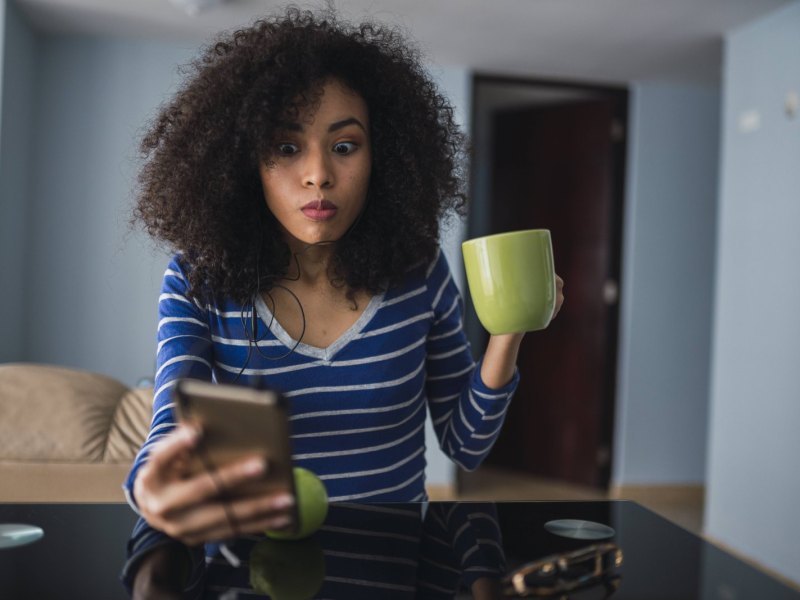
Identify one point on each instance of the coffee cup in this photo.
(512, 280)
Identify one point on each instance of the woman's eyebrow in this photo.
(333, 127)
(344, 123)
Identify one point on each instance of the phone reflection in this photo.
(425, 551)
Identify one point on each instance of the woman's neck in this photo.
(311, 263)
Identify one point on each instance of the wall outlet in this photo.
(750, 121)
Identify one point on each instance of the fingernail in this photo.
(254, 466)
(284, 501)
(280, 523)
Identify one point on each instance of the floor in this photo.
(492, 483)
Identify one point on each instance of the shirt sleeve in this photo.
(467, 415)
(461, 543)
(184, 350)
(144, 539)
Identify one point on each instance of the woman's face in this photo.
(318, 183)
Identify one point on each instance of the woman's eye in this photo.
(287, 149)
(344, 147)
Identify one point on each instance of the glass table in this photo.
(432, 550)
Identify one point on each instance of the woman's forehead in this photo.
(333, 103)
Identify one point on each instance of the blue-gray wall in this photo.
(2, 46)
(91, 302)
(18, 58)
(754, 443)
(455, 82)
(84, 286)
(667, 281)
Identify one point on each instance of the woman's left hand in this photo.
(500, 358)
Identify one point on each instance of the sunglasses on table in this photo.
(584, 573)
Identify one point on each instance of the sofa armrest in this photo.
(55, 414)
(129, 426)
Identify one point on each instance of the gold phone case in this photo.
(235, 422)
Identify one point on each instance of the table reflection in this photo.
(438, 550)
(442, 550)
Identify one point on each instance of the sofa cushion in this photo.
(55, 414)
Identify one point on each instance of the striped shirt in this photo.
(358, 407)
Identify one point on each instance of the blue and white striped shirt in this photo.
(358, 407)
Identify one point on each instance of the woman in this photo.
(301, 174)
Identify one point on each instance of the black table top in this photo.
(381, 551)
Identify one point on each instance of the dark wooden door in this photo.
(554, 168)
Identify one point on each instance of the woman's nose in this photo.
(317, 169)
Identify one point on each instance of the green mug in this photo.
(512, 280)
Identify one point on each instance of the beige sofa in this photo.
(67, 435)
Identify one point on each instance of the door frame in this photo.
(479, 211)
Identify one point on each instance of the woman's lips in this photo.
(320, 210)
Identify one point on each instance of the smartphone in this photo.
(238, 421)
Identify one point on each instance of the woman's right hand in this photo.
(189, 508)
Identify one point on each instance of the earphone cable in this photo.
(221, 492)
(252, 335)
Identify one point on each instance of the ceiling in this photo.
(593, 40)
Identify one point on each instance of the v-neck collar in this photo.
(265, 314)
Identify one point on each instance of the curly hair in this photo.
(200, 191)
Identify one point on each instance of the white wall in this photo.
(668, 272)
(753, 482)
(18, 56)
